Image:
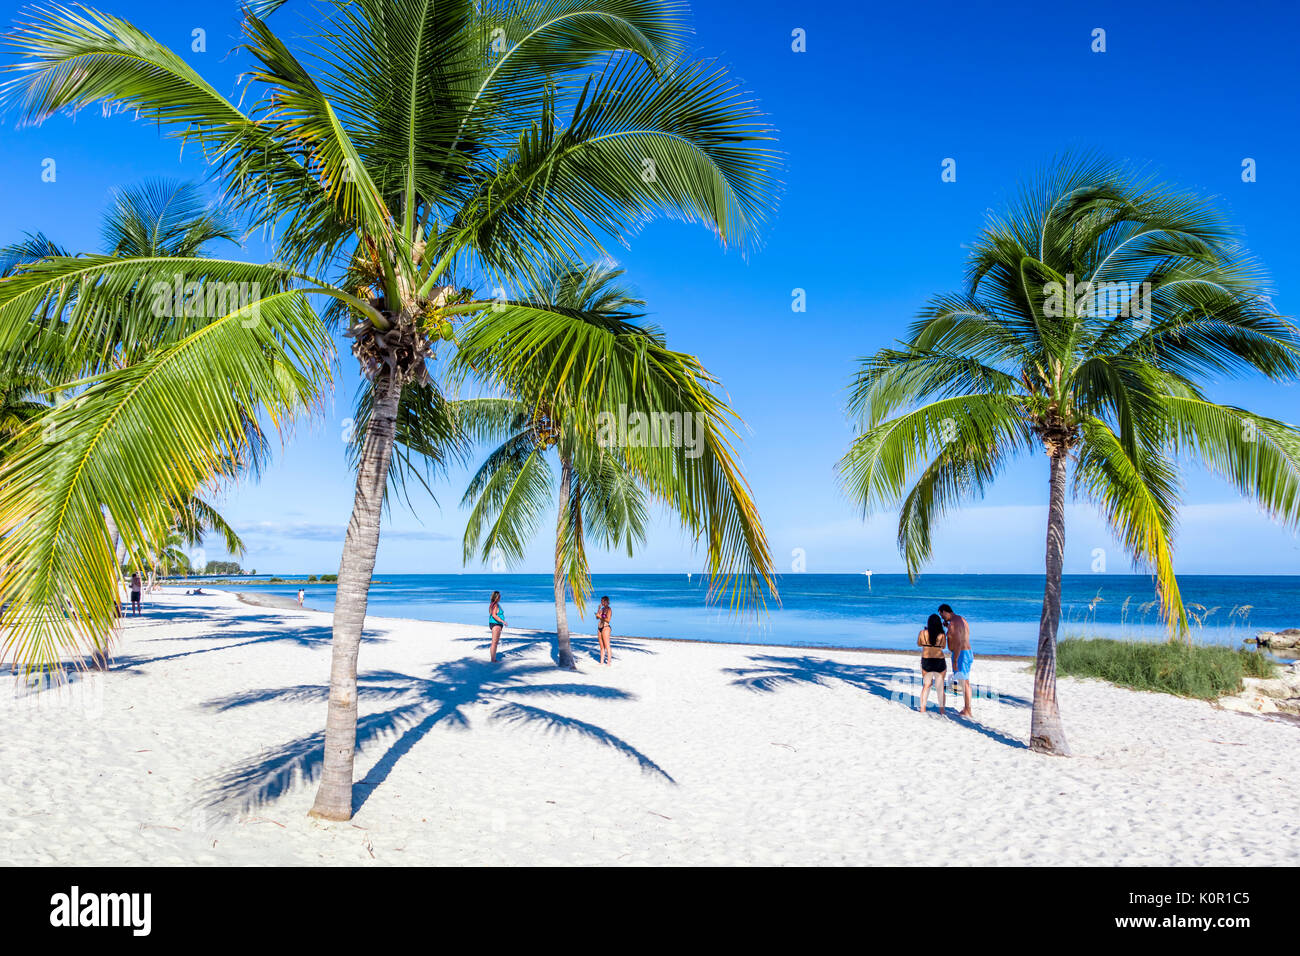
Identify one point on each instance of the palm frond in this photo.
(510, 497)
(121, 447)
(1137, 491)
(588, 369)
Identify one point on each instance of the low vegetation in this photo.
(310, 579)
(1204, 671)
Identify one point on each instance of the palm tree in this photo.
(159, 218)
(194, 518)
(170, 559)
(606, 368)
(1096, 308)
(419, 148)
(20, 404)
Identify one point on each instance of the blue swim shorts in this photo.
(961, 669)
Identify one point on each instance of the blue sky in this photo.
(866, 227)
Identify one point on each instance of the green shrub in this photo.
(311, 579)
(276, 581)
(1204, 671)
(329, 578)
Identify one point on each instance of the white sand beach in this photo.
(199, 746)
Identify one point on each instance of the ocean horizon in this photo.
(837, 610)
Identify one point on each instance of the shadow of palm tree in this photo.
(310, 637)
(306, 635)
(420, 704)
(898, 685)
(518, 645)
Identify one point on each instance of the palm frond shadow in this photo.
(420, 703)
(894, 684)
(276, 631)
(518, 645)
(162, 616)
(155, 613)
(308, 637)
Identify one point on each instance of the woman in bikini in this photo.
(931, 640)
(496, 621)
(604, 615)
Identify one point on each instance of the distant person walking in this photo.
(963, 658)
(931, 640)
(604, 615)
(136, 584)
(302, 595)
(496, 621)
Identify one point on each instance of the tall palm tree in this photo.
(1096, 308)
(415, 150)
(605, 368)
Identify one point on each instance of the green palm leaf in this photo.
(122, 447)
(587, 366)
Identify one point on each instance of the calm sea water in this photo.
(841, 610)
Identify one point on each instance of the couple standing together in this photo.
(604, 615)
(933, 641)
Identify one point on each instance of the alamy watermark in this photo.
(77, 691)
(651, 430)
(210, 299)
(77, 907)
(1099, 299)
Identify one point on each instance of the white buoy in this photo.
(868, 574)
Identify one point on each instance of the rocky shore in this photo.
(1284, 640)
(1274, 695)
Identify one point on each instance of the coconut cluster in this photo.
(399, 351)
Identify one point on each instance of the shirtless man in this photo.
(962, 656)
(136, 584)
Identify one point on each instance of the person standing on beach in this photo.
(136, 584)
(604, 615)
(496, 621)
(962, 655)
(302, 595)
(930, 640)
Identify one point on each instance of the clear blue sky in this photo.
(865, 117)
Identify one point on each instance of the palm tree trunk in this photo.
(334, 797)
(563, 650)
(100, 654)
(1046, 735)
(119, 551)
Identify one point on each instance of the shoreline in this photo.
(292, 605)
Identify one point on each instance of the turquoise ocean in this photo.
(841, 610)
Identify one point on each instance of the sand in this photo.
(201, 744)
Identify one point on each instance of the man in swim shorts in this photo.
(962, 655)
